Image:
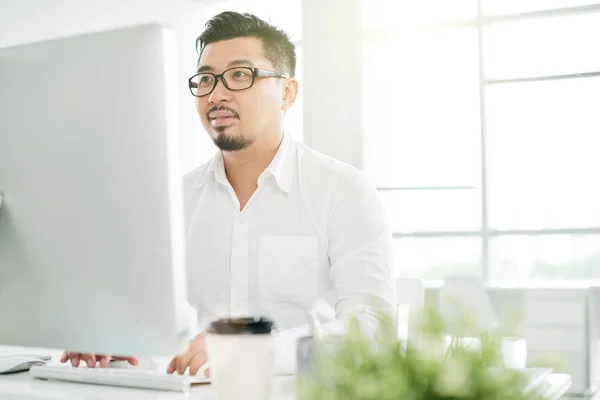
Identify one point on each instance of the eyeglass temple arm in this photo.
(262, 73)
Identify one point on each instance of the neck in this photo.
(243, 167)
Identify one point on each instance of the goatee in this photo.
(231, 142)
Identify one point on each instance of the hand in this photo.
(195, 357)
(91, 359)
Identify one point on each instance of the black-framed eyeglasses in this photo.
(236, 78)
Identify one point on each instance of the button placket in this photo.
(238, 305)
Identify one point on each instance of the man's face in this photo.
(237, 119)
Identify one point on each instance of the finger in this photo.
(184, 360)
(90, 359)
(74, 359)
(196, 347)
(130, 360)
(197, 362)
(103, 360)
(207, 372)
(172, 367)
(64, 358)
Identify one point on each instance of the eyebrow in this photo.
(234, 63)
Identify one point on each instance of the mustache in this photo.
(222, 108)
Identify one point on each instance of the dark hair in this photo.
(279, 49)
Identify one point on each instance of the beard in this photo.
(231, 142)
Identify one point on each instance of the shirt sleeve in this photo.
(187, 319)
(361, 268)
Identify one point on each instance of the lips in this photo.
(220, 118)
(220, 114)
(222, 121)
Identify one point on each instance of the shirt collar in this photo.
(217, 168)
(281, 167)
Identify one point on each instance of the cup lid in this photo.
(242, 326)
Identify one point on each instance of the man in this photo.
(272, 226)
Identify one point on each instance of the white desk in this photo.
(23, 387)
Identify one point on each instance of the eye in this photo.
(205, 79)
(240, 74)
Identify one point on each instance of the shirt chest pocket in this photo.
(287, 269)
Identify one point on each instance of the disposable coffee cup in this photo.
(514, 352)
(241, 357)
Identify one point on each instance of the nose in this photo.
(220, 92)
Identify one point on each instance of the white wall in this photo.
(24, 21)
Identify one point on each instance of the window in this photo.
(432, 258)
(504, 7)
(548, 257)
(437, 209)
(390, 14)
(481, 131)
(424, 160)
(542, 47)
(543, 154)
(404, 146)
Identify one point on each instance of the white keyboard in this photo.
(134, 378)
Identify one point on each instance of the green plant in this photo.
(382, 367)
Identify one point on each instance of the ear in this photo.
(290, 92)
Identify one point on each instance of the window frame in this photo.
(481, 21)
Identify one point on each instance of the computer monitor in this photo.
(91, 225)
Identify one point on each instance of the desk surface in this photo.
(23, 387)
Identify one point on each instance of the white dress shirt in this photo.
(314, 232)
